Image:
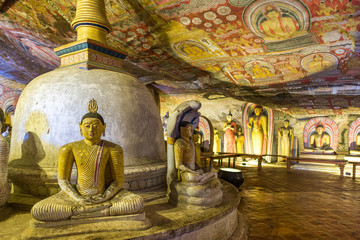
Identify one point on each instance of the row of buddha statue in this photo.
(234, 140)
(234, 136)
(257, 128)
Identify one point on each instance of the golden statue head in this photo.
(271, 12)
(229, 116)
(320, 128)
(318, 58)
(92, 123)
(286, 123)
(257, 110)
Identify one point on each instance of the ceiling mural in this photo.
(299, 57)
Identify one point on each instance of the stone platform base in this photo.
(319, 156)
(46, 230)
(168, 222)
(195, 195)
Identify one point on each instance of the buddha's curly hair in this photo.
(92, 115)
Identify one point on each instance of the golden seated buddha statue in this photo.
(319, 142)
(195, 187)
(100, 177)
(357, 150)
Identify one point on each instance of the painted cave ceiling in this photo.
(300, 57)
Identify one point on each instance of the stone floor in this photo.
(309, 202)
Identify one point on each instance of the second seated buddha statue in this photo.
(319, 142)
(100, 177)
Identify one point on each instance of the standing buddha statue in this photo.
(230, 133)
(258, 126)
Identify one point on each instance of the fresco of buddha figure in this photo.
(276, 27)
(260, 71)
(318, 64)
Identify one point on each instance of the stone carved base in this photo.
(48, 230)
(193, 195)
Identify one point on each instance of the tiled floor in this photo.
(300, 204)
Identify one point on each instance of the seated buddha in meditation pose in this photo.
(185, 158)
(276, 27)
(318, 64)
(100, 177)
(358, 142)
(356, 151)
(260, 71)
(195, 186)
(319, 141)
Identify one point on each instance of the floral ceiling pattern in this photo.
(300, 57)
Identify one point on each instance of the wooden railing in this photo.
(220, 156)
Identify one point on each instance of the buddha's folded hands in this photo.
(91, 208)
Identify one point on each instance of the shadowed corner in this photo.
(32, 152)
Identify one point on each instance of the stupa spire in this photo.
(91, 21)
(90, 49)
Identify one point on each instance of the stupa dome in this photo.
(48, 114)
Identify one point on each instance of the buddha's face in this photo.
(272, 14)
(92, 128)
(229, 118)
(257, 111)
(186, 131)
(317, 58)
(286, 124)
(320, 129)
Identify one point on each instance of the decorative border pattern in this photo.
(89, 45)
